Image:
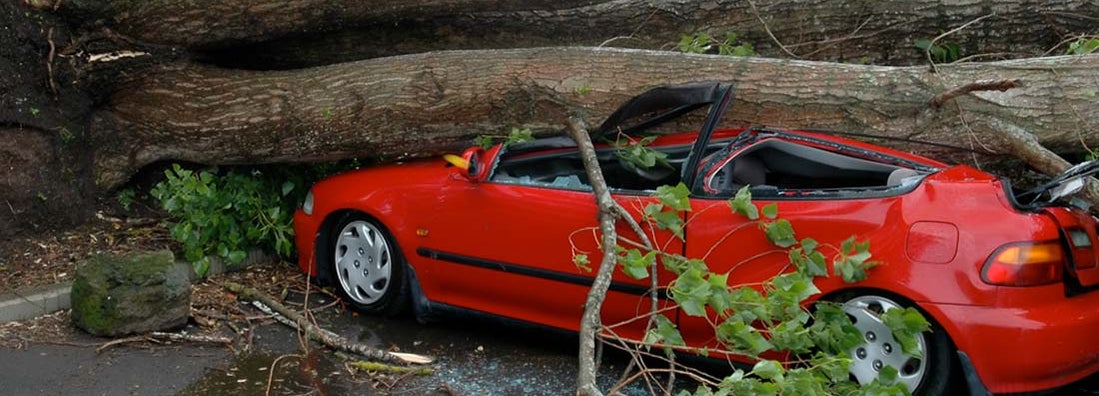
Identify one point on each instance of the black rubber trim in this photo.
(556, 276)
(972, 381)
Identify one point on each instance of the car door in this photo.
(507, 249)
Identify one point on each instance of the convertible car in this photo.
(1007, 278)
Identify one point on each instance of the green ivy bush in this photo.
(227, 213)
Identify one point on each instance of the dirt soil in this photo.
(31, 261)
(44, 107)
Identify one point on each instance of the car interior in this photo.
(785, 165)
(566, 170)
(771, 164)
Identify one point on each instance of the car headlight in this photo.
(307, 206)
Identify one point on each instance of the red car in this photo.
(1007, 279)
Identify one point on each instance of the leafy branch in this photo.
(774, 316)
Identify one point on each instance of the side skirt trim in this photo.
(517, 269)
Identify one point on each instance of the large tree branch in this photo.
(591, 322)
(1024, 145)
(436, 102)
(302, 32)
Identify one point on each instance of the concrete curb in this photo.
(25, 305)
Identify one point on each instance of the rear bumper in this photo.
(1040, 347)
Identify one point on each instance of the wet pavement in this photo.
(474, 356)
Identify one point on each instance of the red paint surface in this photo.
(1019, 339)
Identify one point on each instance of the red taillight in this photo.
(1025, 264)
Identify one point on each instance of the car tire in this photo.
(367, 266)
(934, 375)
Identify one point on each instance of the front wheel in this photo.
(926, 376)
(368, 266)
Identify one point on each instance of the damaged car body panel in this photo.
(494, 231)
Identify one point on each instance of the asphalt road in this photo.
(474, 357)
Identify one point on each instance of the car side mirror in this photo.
(470, 164)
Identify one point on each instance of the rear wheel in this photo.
(368, 266)
(926, 376)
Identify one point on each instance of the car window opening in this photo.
(780, 165)
(566, 170)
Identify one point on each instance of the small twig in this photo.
(613, 39)
(295, 320)
(271, 371)
(184, 337)
(157, 336)
(388, 368)
(49, 63)
(1000, 55)
(835, 42)
(1068, 40)
(768, 30)
(927, 52)
(632, 34)
(988, 85)
(108, 344)
(140, 221)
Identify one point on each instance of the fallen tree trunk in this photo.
(425, 104)
(296, 33)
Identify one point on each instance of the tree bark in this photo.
(297, 33)
(591, 322)
(424, 104)
(222, 23)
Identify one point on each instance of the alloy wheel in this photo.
(363, 261)
(879, 349)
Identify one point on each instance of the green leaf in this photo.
(809, 245)
(519, 135)
(287, 187)
(797, 285)
(780, 233)
(742, 337)
(201, 267)
(637, 154)
(768, 369)
(791, 336)
(742, 203)
(835, 368)
(849, 271)
(816, 265)
(749, 305)
(888, 375)
(582, 262)
(236, 256)
(671, 221)
(848, 244)
(485, 141)
(636, 265)
(691, 291)
(676, 198)
(906, 324)
(832, 330)
(923, 44)
(770, 211)
(663, 332)
(745, 49)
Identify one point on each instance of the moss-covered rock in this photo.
(137, 293)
